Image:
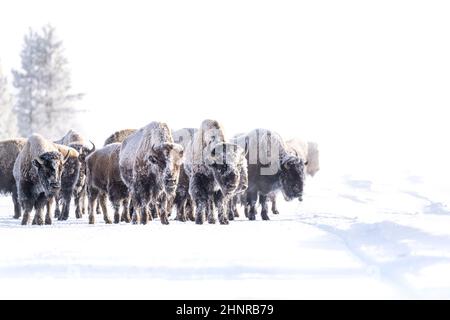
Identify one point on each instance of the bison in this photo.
(271, 167)
(150, 166)
(309, 152)
(37, 171)
(69, 181)
(76, 141)
(9, 150)
(214, 168)
(182, 200)
(103, 178)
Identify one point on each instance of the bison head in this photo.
(165, 161)
(49, 167)
(229, 167)
(292, 175)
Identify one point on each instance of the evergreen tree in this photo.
(44, 102)
(8, 121)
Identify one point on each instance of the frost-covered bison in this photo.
(75, 140)
(309, 153)
(69, 181)
(9, 150)
(37, 171)
(272, 166)
(182, 200)
(103, 177)
(214, 168)
(150, 166)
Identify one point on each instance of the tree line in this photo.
(42, 100)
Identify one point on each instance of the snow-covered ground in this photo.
(352, 237)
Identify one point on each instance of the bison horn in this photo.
(93, 147)
(67, 156)
(39, 160)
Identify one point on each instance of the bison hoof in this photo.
(116, 219)
(16, 216)
(265, 217)
(251, 217)
(91, 220)
(108, 221)
(224, 221)
(181, 218)
(211, 221)
(199, 220)
(165, 221)
(275, 212)
(48, 221)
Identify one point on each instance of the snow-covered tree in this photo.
(44, 103)
(8, 121)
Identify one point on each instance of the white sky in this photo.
(369, 80)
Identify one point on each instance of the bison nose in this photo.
(171, 182)
(300, 197)
(55, 185)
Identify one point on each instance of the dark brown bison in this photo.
(103, 178)
(9, 150)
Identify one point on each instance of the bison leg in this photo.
(210, 211)
(189, 210)
(230, 210)
(133, 213)
(83, 200)
(116, 207)
(92, 197)
(48, 216)
(79, 199)
(57, 214)
(163, 209)
(125, 212)
(221, 203)
(200, 208)
(97, 209)
(66, 198)
(145, 216)
(154, 212)
(264, 207)
(102, 200)
(181, 209)
(28, 207)
(274, 205)
(17, 208)
(252, 197)
(39, 205)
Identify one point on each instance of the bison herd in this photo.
(148, 172)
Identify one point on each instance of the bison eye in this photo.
(153, 159)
